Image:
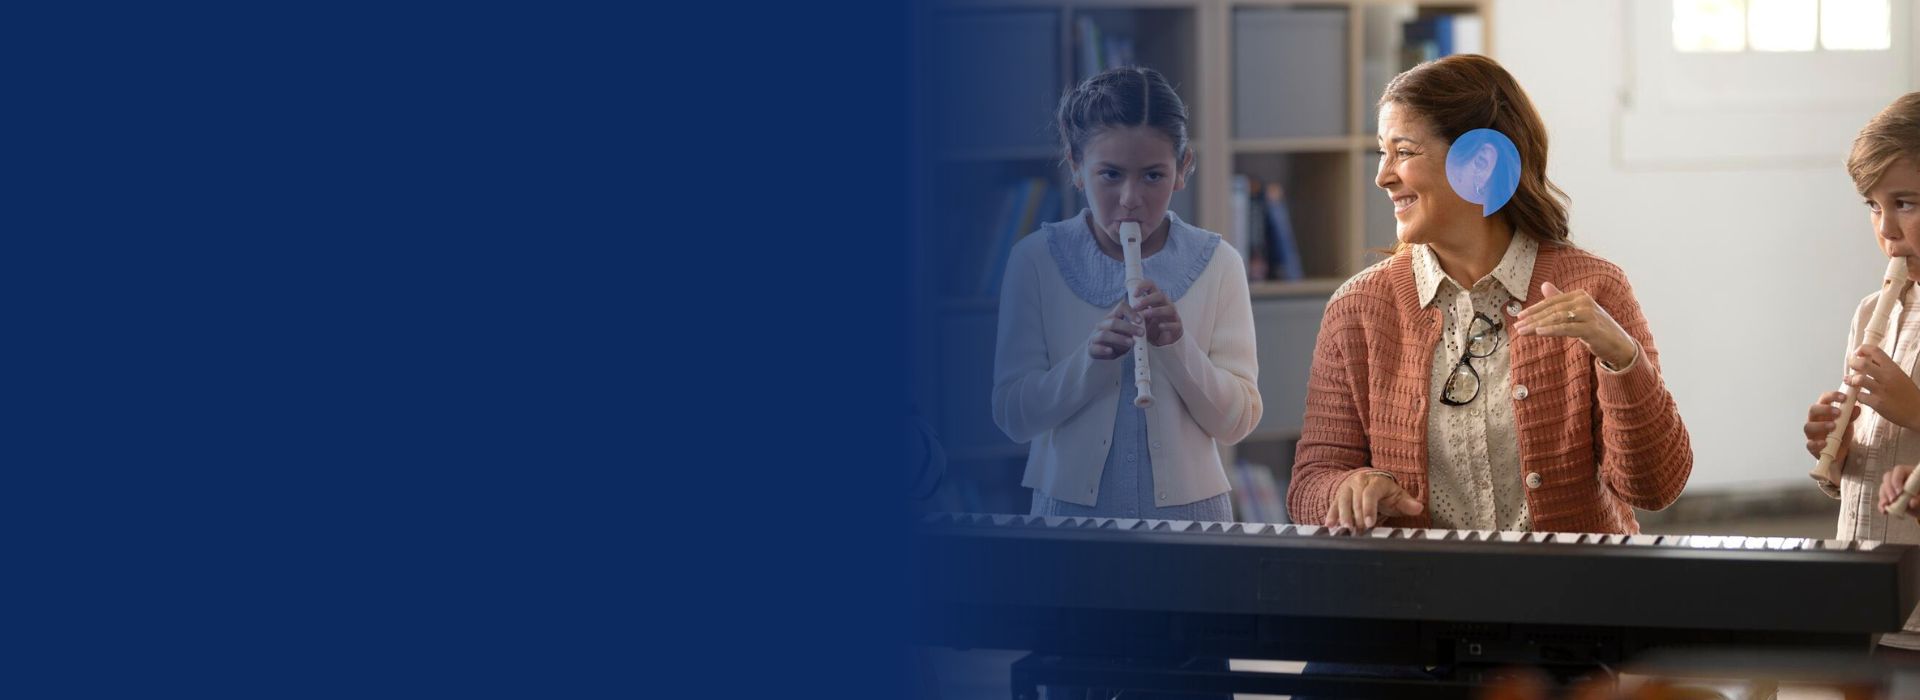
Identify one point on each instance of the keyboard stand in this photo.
(1170, 676)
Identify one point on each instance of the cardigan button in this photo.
(1533, 480)
(1513, 308)
(1520, 392)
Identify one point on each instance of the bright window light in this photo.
(1855, 25)
(1782, 25)
(1709, 25)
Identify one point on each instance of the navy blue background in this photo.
(465, 350)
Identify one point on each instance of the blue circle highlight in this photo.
(1484, 168)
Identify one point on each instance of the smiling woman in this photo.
(1489, 375)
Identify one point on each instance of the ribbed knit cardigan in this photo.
(1601, 443)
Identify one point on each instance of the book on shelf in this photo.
(1237, 234)
(1256, 495)
(1250, 227)
(1435, 36)
(1283, 251)
(1023, 207)
(1100, 51)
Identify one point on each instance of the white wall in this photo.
(1748, 275)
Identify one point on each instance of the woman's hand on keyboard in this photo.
(1364, 496)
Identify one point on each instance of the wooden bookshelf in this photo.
(1340, 219)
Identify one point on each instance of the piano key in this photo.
(1512, 536)
(1166, 525)
(1339, 531)
(1436, 533)
(1215, 527)
(1563, 537)
(1833, 544)
(1186, 526)
(1381, 532)
(1642, 539)
(1137, 523)
(1253, 528)
(1109, 523)
(1733, 542)
(1307, 530)
(1757, 542)
(1614, 539)
(1869, 545)
(1706, 541)
(1676, 540)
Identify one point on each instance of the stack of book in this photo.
(1263, 231)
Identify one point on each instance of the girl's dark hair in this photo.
(1460, 93)
(1120, 98)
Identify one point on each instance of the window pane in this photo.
(1854, 24)
(1709, 25)
(1782, 25)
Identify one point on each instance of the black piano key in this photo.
(1185, 526)
(1339, 531)
(1215, 527)
(1163, 525)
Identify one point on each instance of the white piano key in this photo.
(1254, 528)
(1833, 544)
(1381, 532)
(1706, 541)
(1642, 539)
(1512, 536)
(1563, 537)
(1307, 530)
(1434, 533)
(1340, 531)
(1869, 545)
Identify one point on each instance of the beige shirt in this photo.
(1473, 451)
(1878, 444)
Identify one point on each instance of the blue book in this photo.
(1284, 251)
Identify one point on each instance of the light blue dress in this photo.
(1126, 479)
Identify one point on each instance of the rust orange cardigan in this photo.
(1602, 443)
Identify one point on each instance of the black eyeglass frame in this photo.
(1467, 357)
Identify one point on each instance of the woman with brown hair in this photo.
(1489, 375)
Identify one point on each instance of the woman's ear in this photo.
(1484, 160)
(1185, 171)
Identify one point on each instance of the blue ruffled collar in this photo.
(1101, 281)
